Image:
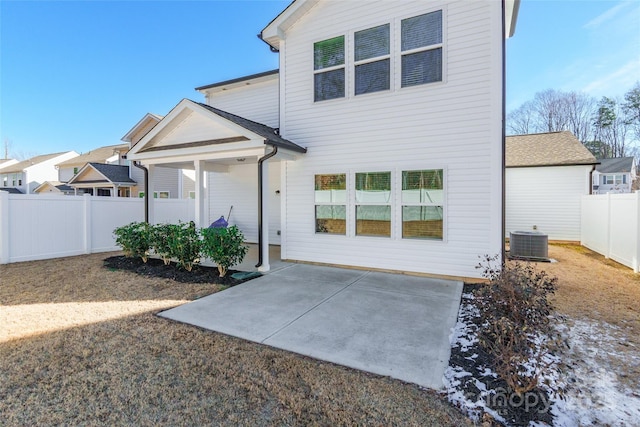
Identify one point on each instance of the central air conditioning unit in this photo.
(529, 245)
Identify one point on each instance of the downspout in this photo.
(504, 136)
(146, 189)
(260, 195)
(593, 169)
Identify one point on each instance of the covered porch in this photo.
(237, 165)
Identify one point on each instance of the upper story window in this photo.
(329, 69)
(372, 60)
(421, 46)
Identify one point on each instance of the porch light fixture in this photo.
(241, 159)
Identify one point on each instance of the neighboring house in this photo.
(7, 162)
(99, 179)
(377, 144)
(614, 175)
(54, 187)
(27, 175)
(169, 183)
(111, 154)
(546, 176)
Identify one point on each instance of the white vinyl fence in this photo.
(611, 226)
(43, 226)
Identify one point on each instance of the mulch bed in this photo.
(156, 268)
(476, 361)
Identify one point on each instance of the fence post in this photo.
(609, 216)
(4, 227)
(636, 258)
(87, 223)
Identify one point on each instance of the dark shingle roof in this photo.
(616, 165)
(114, 173)
(547, 149)
(99, 155)
(11, 190)
(238, 80)
(270, 134)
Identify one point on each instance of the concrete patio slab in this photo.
(388, 324)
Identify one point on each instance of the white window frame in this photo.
(399, 53)
(345, 203)
(192, 195)
(354, 203)
(401, 203)
(353, 63)
(332, 68)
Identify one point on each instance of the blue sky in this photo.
(76, 75)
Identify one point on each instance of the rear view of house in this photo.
(377, 144)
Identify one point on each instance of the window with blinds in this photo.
(331, 203)
(329, 69)
(372, 60)
(421, 45)
(423, 204)
(373, 204)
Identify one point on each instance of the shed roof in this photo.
(615, 165)
(547, 149)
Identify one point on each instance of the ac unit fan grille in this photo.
(526, 244)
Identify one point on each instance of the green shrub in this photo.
(134, 239)
(160, 236)
(516, 323)
(183, 242)
(224, 246)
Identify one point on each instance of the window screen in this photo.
(372, 63)
(330, 203)
(329, 55)
(373, 204)
(421, 43)
(423, 204)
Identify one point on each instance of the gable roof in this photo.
(148, 119)
(547, 149)
(224, 128)
(21, 166)
(115, 174)
(275, 30)
(616, 165)
(99, 155)
(62, 187)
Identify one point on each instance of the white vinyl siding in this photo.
(454, 124)
(547, 198)
(164, 179)
(239, 188)
(255, 101)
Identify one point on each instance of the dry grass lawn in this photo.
(81, 345)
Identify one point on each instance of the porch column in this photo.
(151, 189)
(265, 218)
(200, 216)
(114, 191)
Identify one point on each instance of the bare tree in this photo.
(554, 111)
(521, 121)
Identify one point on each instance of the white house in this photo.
(26, 176)
(169, 183)
(614, 175)
(377, 144)
(546, 176)
(110, 154)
